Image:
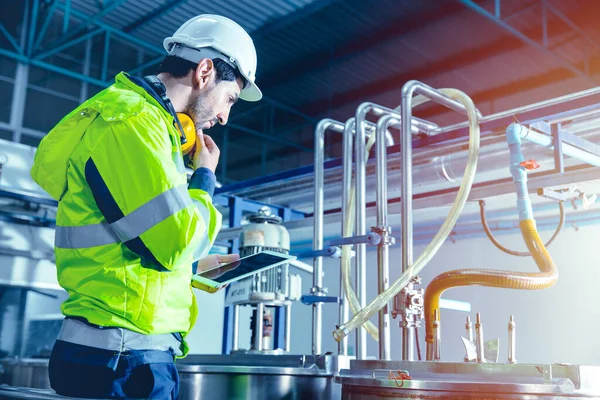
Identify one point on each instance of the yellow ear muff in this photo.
(189, 132)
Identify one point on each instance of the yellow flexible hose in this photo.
(485, 277)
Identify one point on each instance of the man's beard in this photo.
(199, 111)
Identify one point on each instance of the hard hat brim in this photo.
(251, 92)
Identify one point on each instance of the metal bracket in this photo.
(371, 238)
(556, 195)
(327, 251)
(318, 291)
(385, 234)
(312, 299)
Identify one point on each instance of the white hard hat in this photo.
(214, 36)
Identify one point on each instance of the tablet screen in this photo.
(247, 266)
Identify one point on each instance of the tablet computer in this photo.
(214, 279)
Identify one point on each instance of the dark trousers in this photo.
(83, 371)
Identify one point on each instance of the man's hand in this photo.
(205, 152)
(213, 262)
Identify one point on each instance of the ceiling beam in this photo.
(273, 26)
(323, 60)
(542, 46)
(157, 12)
(504, 44)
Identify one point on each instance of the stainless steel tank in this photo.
(27, 372)
(254, 376)
(442, 380)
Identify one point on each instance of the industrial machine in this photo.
(358, 196)
(270, 293)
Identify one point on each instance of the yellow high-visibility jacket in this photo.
(128, 226)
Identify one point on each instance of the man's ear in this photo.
(203, 72)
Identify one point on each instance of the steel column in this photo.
(17, 110)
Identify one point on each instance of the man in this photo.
(128, 225)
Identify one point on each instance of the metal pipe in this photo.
(469, 328)
(360, 196)
(382, 224)
(437, 336)
(317, 289)
(417, 124)
(371, 238)
(525, 109)
(344, 311)
(258, 337)
(512, 357)
(479, 344)
(361, 220)
(406, 193)
(412, 87)
(408, 90)
(319, 158)
(469, 331)
(288, 328)
(236, 327)
(19, 98)
(585, 151)
(327, 251)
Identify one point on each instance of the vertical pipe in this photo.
(346, 188)
(20, 331)
(469, 328)
(479, 333)
(19, 98)
(469, 332)
(437, 336)
(288, 327)
(258, 337)
(512, 354)
(318, 232)
(406, 195)
(236, 327)
(361, 222)
(382, 224)
(559, 160)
